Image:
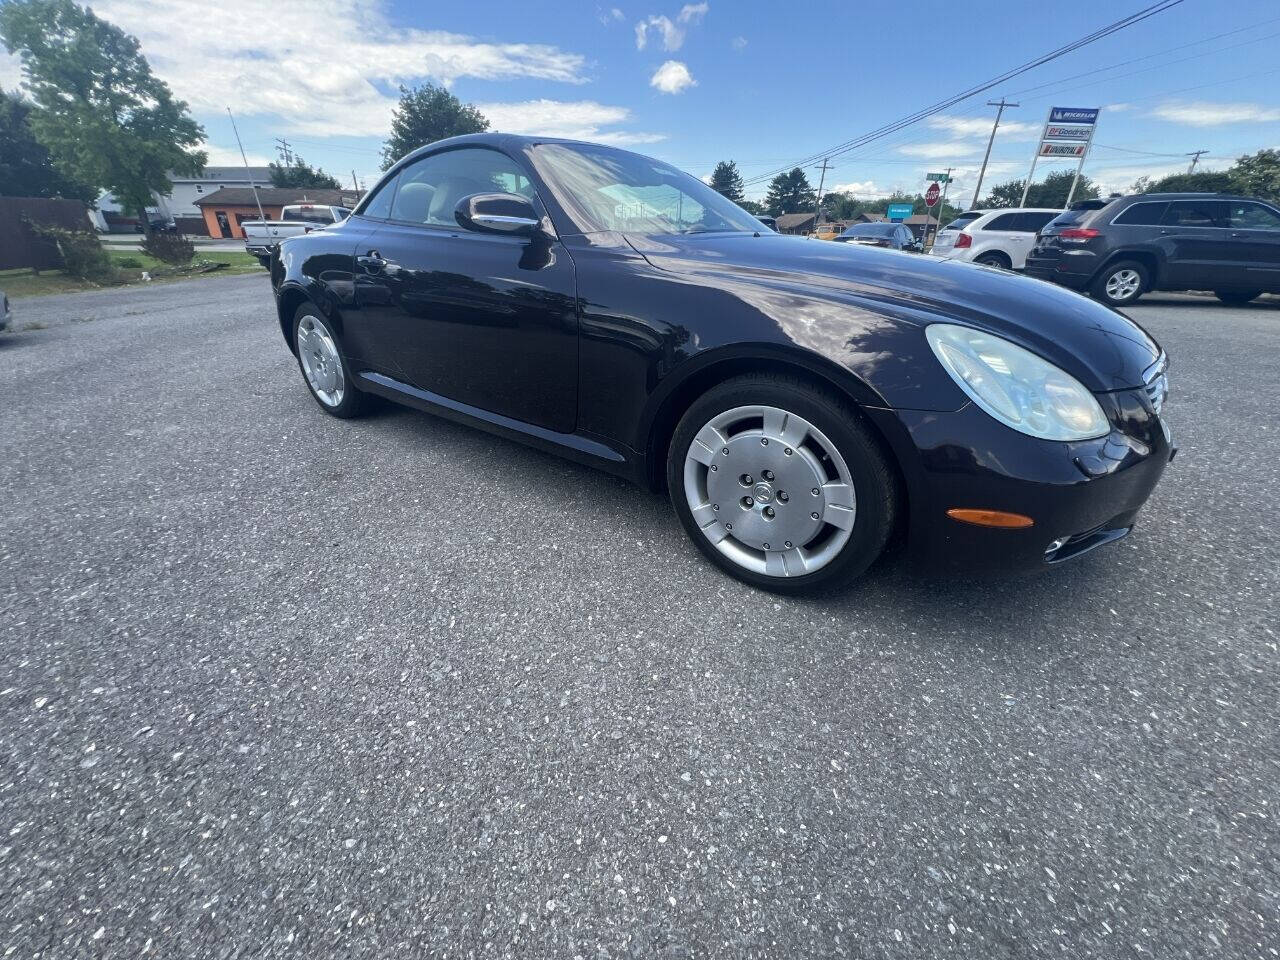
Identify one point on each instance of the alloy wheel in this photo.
(769, 491)
(320, 361)
(1123, 284)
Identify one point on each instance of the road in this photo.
(273, 684)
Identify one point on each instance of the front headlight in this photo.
(1017, 387)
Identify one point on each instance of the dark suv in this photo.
(1163, 241)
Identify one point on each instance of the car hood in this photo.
(1098, 346)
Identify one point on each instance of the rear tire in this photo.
(1122, 283)
(994, 259)
(821, 489)
(1237, 298)
(324, 368)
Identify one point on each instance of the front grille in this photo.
(1156, 383)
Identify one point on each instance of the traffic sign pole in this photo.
(1026, 187)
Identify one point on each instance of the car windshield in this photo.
(870, 230)
(605, 189)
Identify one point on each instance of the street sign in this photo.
(937, 177)
(898, 212)
(1054, 131)
(1085, 115)
(1062, 149)
(932, 194)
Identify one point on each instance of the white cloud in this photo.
(738, 43)
(981, 126)
(672, 77)
(1116, 108)
(10, 71)
(612, 15)
(672, 33)
(256, 70)
(859, 188)
(230, 156)
(1202, 113)
(576, 120)
(942, 151)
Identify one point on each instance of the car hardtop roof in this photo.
(507, 141)
(1188, 196)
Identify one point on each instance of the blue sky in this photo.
(762, 83)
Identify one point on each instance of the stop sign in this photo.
(931, 195)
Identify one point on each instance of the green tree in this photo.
(104, 117)
(1257, 175)
(841, 206)
(1049, 193)
(301, 174)
(790, 193)
(1207, 181)
(426, 114)
(25, 167)
(727, 181)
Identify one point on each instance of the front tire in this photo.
(780, 484)
(323, 366)
(1121, 283)
(1237, 298)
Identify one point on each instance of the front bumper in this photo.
(1080, 495)
(260, 249)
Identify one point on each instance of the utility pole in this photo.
(817, 213)
(253, 186)
(1195, 158)
(354, 182)
(946, 185)
(1001, 104)
(282, 148)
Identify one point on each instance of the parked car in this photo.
(827, 231)
(1164, 241)
(6, 315)
(261, 237)
(159, 225)
(770, 222)
(996, 238)
(894, 236)
(800, 401)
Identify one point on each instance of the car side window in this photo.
(1254, 216)
(1147, 214)
(1034, 222)
(379, 205)
(1003, 223)
(1196, 213)
(430, 188)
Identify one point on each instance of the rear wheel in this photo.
(323, 367)
(1121, 283)
(994, 259)
(780, 484)
(1237, 298)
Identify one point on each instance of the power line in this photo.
(1195, 156)
(919, 115)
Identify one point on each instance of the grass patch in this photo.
(129, 267)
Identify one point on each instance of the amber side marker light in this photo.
(990, 518)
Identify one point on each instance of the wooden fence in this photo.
(19, 247)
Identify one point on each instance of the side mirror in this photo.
(497, 213)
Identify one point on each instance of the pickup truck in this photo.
(261, 237)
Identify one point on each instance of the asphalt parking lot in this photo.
(273, 684)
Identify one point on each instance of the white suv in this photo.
(998, 238)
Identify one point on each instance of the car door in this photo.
(1193, 235)
(1001, 233)
(487, 320)
(1254, 234)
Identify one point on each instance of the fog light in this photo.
(1056, 545)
